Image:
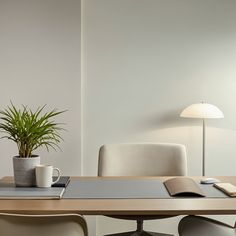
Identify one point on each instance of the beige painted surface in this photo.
(146, 60)
(40, 64)
(143, 61)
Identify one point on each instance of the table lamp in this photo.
(202, 111)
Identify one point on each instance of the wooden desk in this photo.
(203, 206)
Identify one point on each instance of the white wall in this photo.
(40, 64)
(146, 60)
(143, 61)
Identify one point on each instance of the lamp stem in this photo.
(203, 147)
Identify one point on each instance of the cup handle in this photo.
(59, 175)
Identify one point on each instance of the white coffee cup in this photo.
(44, 175)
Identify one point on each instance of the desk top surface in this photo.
(173, 206)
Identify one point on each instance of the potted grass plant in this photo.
(29, 130)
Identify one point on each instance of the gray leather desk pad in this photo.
(125, 189)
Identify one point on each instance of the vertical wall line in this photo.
(91, 220)
(82, 87)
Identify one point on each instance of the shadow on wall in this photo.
(220, 147)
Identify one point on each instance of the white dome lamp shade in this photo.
(202, 111)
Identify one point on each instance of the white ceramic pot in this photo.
(24, 171)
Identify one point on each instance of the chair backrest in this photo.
(142, 159)
(42, 225)
(197, 225)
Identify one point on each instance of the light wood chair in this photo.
(202, 226)
(42, 225)
(142, 159)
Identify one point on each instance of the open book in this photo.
(183, 186)
(227, 188)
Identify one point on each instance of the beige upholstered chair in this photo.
(201, 226)
(42, 225)
(142, 159)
